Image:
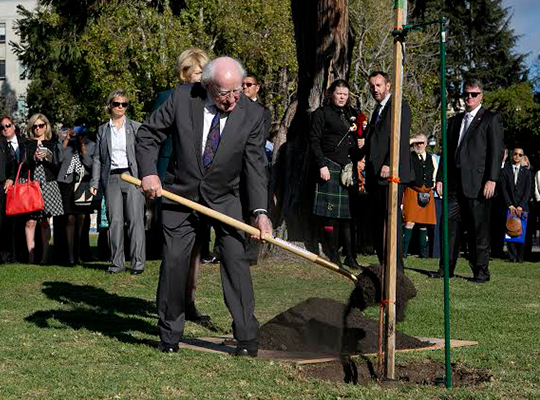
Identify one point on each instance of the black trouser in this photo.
(379, 201)
(516, 251)
(475, 213)
(179, 238)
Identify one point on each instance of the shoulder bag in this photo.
(22, 198)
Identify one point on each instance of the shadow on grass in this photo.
(98, 311)
(430, 273)
(420, 271)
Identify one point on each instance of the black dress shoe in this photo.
(168, 348)
(479, 280)
(115, 270)
(245, 352)
(351, 263)
(137, 271)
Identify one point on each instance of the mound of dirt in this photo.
(424, 372)
(316, 326)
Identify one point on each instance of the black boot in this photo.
(330, 244)
(350, 258)
(407, 234)
(423, 243)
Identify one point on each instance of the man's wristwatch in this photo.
(256, 213)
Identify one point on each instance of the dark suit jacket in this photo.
(517, 194)
(267, 121)
(101, 165)
(12, 157)
(377, 146)
(240, 152)
(6, 163)
(29, 163)
(480, 152)
(65, 156)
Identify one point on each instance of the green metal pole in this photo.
(444, 158)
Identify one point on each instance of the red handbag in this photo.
(22, 198)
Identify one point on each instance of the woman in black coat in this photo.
(41, 159)
(334, 147)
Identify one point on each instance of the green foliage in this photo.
(77, 53)
(134, 48)
(373, 51)
(520, 117)
(480, 43)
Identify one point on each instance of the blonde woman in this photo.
(41, 160)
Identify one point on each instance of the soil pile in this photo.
(316, 326)
(418, 372)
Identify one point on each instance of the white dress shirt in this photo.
(15, 145)
(119, 146)
(210, 111)
(468, 118)
(383, 103)
(516, 172)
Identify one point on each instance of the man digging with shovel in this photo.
(218, 139)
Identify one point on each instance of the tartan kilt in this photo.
(331, 197)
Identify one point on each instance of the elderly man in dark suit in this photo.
(475, 153)
(377, 150)
(516, 183)
(218, 140)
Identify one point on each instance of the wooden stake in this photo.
(392, 228)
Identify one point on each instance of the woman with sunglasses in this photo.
(41, 159)
(115, 154)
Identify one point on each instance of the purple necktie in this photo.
(212, 141)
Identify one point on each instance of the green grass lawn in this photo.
(78, 333)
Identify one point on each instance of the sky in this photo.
(526, 14)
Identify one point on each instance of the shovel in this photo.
(248, 229)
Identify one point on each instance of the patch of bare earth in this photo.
(425, 372)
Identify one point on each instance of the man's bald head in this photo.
(222, 78)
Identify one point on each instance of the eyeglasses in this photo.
(118, 104)
(227, 93)
(40, 126)
(247, 84)
(472, 94)
(418, 143)
(5, 126)
(518, 154)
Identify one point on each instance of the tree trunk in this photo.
(324, 50)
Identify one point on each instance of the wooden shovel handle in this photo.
(247, 228)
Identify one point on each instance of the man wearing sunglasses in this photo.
(14, 151)
(475, 152)
(251, 87)
(6, 180)
(516, 190)
(218, 145)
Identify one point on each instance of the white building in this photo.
(13, 82)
